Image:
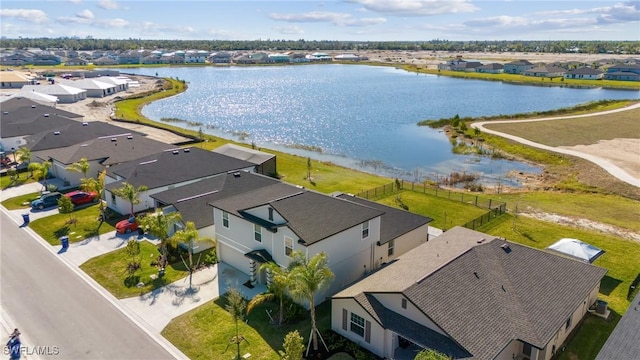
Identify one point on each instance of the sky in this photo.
(343, 20)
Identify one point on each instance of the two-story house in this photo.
(469, 295)
(517, 67)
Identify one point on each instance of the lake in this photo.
(357, 116)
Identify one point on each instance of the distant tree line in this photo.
(90, 43)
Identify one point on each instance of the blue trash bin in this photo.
(65, 242)
(25, 218)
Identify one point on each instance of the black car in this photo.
(46, 200)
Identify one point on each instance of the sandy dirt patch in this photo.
(624, 153)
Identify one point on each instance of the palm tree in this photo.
(278, 287)
(23, 155)
(96, 185)
(187, 235)
(40, 171)
(158, 225)
(81, 166)
(308, 277)
(130, 193)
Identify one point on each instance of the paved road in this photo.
(603, 163)
(54, 307)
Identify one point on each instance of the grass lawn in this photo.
(6, 182)
(571, 132)
(437, 208)
(20, 202)
(110, 271)
(620, 259)
(204, 332)
(51, 228)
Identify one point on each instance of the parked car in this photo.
(46, 200)
(81, 197)
(127, 226)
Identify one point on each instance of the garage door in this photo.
(233, 257)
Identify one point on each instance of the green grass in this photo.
(437, 208)
(593, 333)
(204, 332)
(571, 132)
(20, 202)
(51, 228)
(110, 271)
(6, 182)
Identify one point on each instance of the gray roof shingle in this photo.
(624, 341)
(73, 133)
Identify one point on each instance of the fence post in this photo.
(476, 200)
(490, 203)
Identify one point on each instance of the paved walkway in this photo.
(603, 163)
(156, 309)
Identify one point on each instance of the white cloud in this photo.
(85, 14)
(75, 1)
(30, 15)
(619, 12)
(416, 7)
(340, 19)
(108, 4)
(289, 30)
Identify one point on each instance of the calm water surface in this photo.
(360, 116)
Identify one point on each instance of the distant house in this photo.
(467, 66)
(265, 163)
(47, 59)
(625, 72)
(76, 62)
(166, 170)
(348, 57)
(493, 68)
(280, 58)
(17, 59)
(517, 67)
(585, 73)
(13, 80)
(544, 71)
(129, 58)
(195, 57)
(43, 99)
(65, 94)
(469, 295)
(318, 56)
(221, 57)
(119, 83)
(105, 60)
(93, 87)
(299, 58)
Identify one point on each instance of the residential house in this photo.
(195, 57)
(467, 66)
(172, 58)
(167, 170)
(265, 163)
(269, 223)
(317, 56)
(625, 72)
(102, 152)
(585, 73)
(105, 61)
(280, 58)
(192, 200)
(72, 133)
(493, 68)
(65, 94)
(299, 58)
(544, 71)
(129, 58)
(17, 59)
(221, 57)
(76, 62)
(42, 99)
(94, 87)
(469, 295)
(120, 83)
(46, 59)
(624, 341)
(22, 117)
(349, 57)
(518, 66)
(13, 80)
(152, 59)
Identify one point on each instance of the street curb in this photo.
(169, 347)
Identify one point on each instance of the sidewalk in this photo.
(152, 310)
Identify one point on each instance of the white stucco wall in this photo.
(377, 340)
(402, 244)
(12, 142)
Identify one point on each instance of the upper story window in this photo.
(365, 230)
(404, 303)
(225, 219)
(357, 324)
(270, 214)
(257, 232)
(392, 245)
(288, 246)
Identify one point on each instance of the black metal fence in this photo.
(496, 208)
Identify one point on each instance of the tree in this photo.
(309, 168)
(81, 166)
(133, 250)
(24, 155)
(187, 235)
(277, 289)
(293, 346)
(40, 171)
(236, 304)
(309, 276)
(431, 355)
(96, 185)
(158, 225)
(65, 206)
(130, 193)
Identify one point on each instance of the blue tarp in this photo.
(577, 249)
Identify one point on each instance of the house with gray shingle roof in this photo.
(493, 68)
(586, 73)
(517, 67)
(66, 94)
(544, 71)
(166, 170)
(624, 341)
(469, 295)
(269, 223)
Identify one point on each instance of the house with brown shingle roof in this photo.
(469, 295)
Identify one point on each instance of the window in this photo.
(357, 324)
(225, 219)
(567, 325)
(257, 233)
(288, 246)
(365, 230)
(404, 303)
(113, 198)
(392, 244)
(270, 214)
